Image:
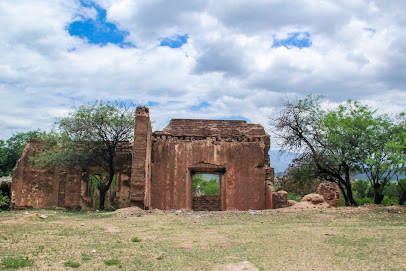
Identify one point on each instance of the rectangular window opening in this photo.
(206, 184)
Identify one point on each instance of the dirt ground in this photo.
(346, 238)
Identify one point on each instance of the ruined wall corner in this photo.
(141, 162)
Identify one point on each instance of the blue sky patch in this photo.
(200, 106)
(174, 41)
(98, 30)
(297, 39)
(152, 103)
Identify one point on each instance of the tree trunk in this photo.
(347, 203)
(402, 197)
(102, 190)
(349, 193)
(347, 184)
(378, 197)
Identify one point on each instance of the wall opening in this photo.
(206, 184)
(93, 191)
(206, 192)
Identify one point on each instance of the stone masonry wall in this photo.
(206, 203)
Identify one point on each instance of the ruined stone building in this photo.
(156, 170)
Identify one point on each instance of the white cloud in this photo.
(228, 61)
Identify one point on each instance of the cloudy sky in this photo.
(197, 59)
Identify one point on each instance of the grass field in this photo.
(366, 238)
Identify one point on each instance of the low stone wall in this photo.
(206, 203)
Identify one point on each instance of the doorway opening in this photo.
(206, 192)
(93, 191)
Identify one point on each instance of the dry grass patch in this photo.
(367, 238)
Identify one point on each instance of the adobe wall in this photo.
(56, 187)
(32, 188)
(123, 174)
(140, 170)
(238, 148)
(155, 171)
(207, 203)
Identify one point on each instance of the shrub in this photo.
(391, 190)
(136, 239)
(16, 262)
(362, 201)
(72, 264)
(360, 187)
(390, 200)
(4, 200)
(294, 197)
(85, 257)
(112, 262)
(341, 202)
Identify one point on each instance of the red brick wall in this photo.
(206, 203)
(140, 171)
(33, 188)
(242, 185)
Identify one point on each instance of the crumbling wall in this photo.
(62, 187)
(32, 188)
(123, 174)
(280, 200)
(330, 192)
(141, 171)
(269, 195)
(156, 170)
(238, 147)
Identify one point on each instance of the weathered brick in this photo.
(155, 171)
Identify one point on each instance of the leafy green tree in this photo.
(363, 139)
(89, 136)
(402, 191)
(361, 187)
(391, 190)
(350, 139)
(399, 146)
(304, 127)
(203, 186)
(3, 158)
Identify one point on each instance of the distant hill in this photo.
(280, 162)
(279, 174)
